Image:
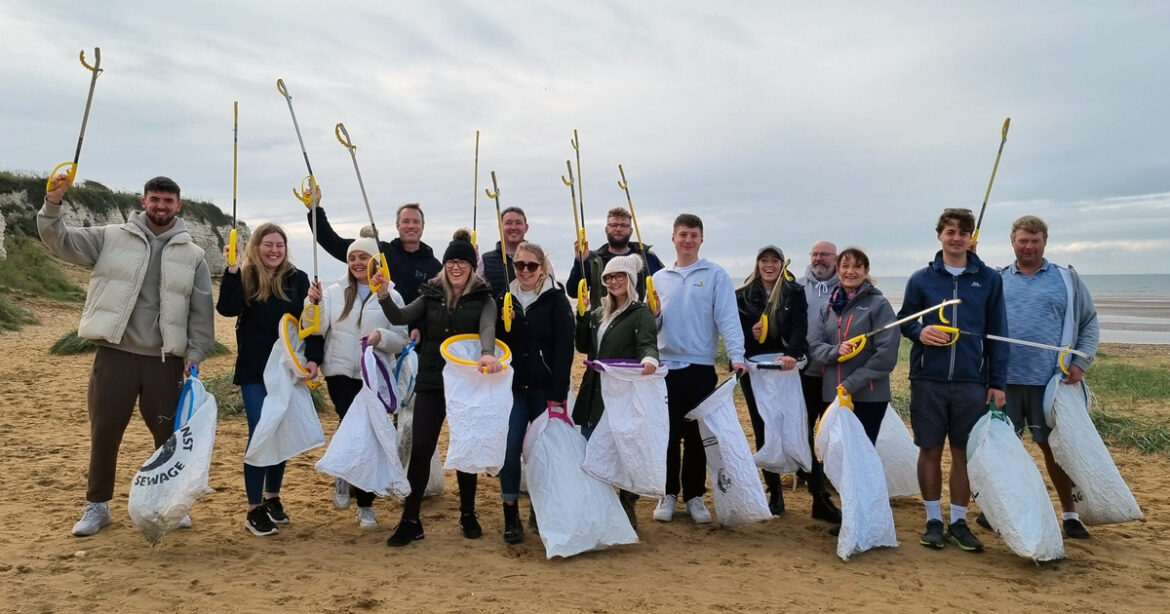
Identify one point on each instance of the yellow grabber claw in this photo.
(1007, 122)
(232, 237)
(71, 173)
(342, 135)
(844, 398)
(280, 88)
(289, 321)
(96, 64)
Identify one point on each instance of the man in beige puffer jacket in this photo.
(148, 309)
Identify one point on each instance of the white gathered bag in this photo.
(288, 422)
(628, 445)
(899, 455)
(780, 401)
(739, 495)
(577, 512)
(175, 476)
(852, 463)
(478, 406)
(1010, 490)
(406, 370)
(364, 450)
(1101, 494)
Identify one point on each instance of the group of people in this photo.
(149, 309)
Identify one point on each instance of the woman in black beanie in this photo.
(454, 302)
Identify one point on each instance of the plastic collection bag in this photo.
(478, 406)
(288, 422)
(780, 401)
(739, 494)
(852, 463)
(175, 476)
(628, 445)
(1101, 495)
(899, 455)
(1010, 490)
(577, 512)
(405, 370)
(364, 450)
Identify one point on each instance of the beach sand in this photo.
(323, 562)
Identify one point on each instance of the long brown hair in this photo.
(259, 283)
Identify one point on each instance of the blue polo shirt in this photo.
(1036, 306)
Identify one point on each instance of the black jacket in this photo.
(594, 266)
(474, 313)
(256, 324)
(493, 270)
(787, 332)
(408, 270)
(541, 340)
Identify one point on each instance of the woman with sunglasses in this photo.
(456, 301)
(542, 356)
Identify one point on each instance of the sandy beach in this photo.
(323, 562)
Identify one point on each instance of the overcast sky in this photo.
(776, 122)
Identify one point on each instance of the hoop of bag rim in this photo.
(504, 358)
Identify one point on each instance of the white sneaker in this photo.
(366, 518)
(94, 518)
(665, 510)
(340, 494)
(185, 522)
(698, 510)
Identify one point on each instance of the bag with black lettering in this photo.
(175, 476)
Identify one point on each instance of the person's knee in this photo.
(930, 455)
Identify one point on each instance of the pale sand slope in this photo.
(322, 562)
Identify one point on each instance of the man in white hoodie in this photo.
(696, 306)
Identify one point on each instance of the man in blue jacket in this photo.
(1047, 304)
(952, 382)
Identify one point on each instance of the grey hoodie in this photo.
(816, 294)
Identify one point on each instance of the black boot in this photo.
(628, 499)
(469, 522)
(776, 501)
(513, 528)
(824, 509)
(532, 521)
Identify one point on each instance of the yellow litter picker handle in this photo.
(305, 193)
(509, 313)
(71, 167)
(70, 172)
(953, 331)
(379, 264)
(651, 301)
(582, 297)
(763, 322)
(858, 344)
(233, 236)
(310, 320)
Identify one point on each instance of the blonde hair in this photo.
(259, 283)
(537, 251)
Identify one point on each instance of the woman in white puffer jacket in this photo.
(350, 313)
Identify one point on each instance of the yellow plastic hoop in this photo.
(446, 352)
(285, 322)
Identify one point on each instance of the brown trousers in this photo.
(117, 381)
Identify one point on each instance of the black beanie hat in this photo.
(459, 250)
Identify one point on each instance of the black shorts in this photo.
(1025, 406)
(942, 410)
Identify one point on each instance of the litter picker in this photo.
(1063, 350)
(380, 261)
(582, 246)
(507, 313)
(311, 314)
(860, 340)
(233, 235)
(475, 197)
(986, 195)
(651, 302)
(71, 167)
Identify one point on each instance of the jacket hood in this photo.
(424, 251)
(138, 218)
(974, 264)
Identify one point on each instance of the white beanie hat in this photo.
(630, 265)
(364, 244)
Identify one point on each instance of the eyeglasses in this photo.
(616, 225)
(608, 277)
(822, 254)
(457, 264)
(531, 267)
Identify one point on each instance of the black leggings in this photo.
(342, 391)
(811, 387)
(870, 414)
(430, 409)
(771, 480)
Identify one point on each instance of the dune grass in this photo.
(30, 269)
(70, 343)
(13, 316)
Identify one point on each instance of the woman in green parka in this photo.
(620, 328)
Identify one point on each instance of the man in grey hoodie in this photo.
(819, 279)
(149, 311)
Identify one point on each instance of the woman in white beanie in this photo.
(349, 313)
(621, 327)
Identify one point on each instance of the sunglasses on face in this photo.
(531, 267)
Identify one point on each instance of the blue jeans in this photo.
(258, 480)
(527, 406)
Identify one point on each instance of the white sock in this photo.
(958, 512)
(1070, 516)
(933, 510)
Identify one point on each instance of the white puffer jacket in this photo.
(343, 337)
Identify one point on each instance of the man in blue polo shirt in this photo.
(1047, 304)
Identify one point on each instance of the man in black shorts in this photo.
(952, 384)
